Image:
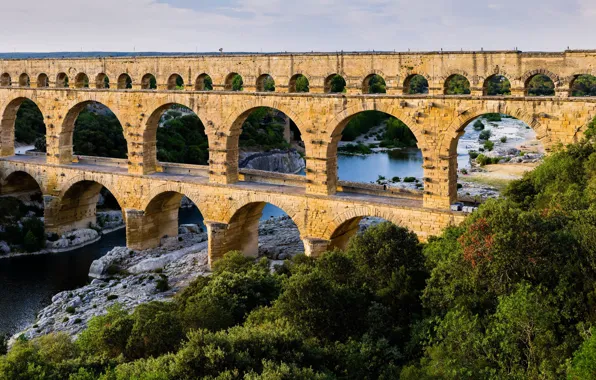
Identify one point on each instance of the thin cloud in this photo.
(281, 25)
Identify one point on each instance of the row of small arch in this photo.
(233, 82)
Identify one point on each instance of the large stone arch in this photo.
(171, 187)
(346, 224)
(525, 79)
(149, 130)
(8, 114)
(242, 222)
(76, 205)
(98, 178)
(17, 180)
(66, 132)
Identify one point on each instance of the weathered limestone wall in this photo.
(231, 211)
(396, 68)
(436, 121)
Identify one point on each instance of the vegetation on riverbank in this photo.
(20, 226)
(508, 294)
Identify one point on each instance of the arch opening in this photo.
(335, 84)
(378, 151)
(102, 81)
(24, 80)
(82, 80)
(350, 228)
(5, 80)
(204, 83)
(492, 150)
(374, 84)
(497, 85)
(91, 129)
(85, 207)
(148, 82)
(299, 83)
(583, 85)
(21, 212)
(62, 80)
(269, 141)
(43, 80)
(23, 127)
(171, 217)
(415, 84)
(255, 230)
(179, 135)
(175, 82)
(457, 84)
(265, 83)
(234, 82)
(540, 85)
(124, 82)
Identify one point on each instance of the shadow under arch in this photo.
(242, 233)
(67, 130)
(347, 225)
(20, 181)
(150, 161)
(77, 207)
(7, 124)
(161, 216)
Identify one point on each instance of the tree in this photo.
(540, 85)
(457, 85)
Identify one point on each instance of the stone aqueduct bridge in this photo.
(325, 210)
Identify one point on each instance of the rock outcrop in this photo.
(278, 161)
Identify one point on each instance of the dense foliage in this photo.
(395, 133)
(498, 85)
(264, 130)
(417, 85)
(99, 134)
(337, 84)
(376, 85)
(182, 139)
(457, 85)
(541, 85)
(584, 85)
(21, 225)
(29, 125)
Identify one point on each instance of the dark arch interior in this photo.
(374, 84)
(335, 84)
(497, 85)
(299, 83)
(102, 81)
(181, 136)
(24, 80)
(5, 80)
(583, 85)
(265, 83)
(124, 82)
(234, 82)
(204, 83)
(62, 80)
(81, 80)
(378, 148)
(540, 85)
(148, 82)
(250, 232)
(97, 132)
(457, 85)
(416, 84)
(175, 82)
(270, 141)
(30, 128)
(172, 214)
(43, 80)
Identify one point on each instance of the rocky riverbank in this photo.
(107, 221)
(129, 277)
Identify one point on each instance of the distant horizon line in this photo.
(116, 54)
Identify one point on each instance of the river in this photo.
(29, 282)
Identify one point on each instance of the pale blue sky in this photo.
(298, 25)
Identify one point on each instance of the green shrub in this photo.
(485, 135)
(504, 139)
(478, 125)
(71, 310)
(489, 145)
(473, 154)
(409, 179)
(111, 297)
